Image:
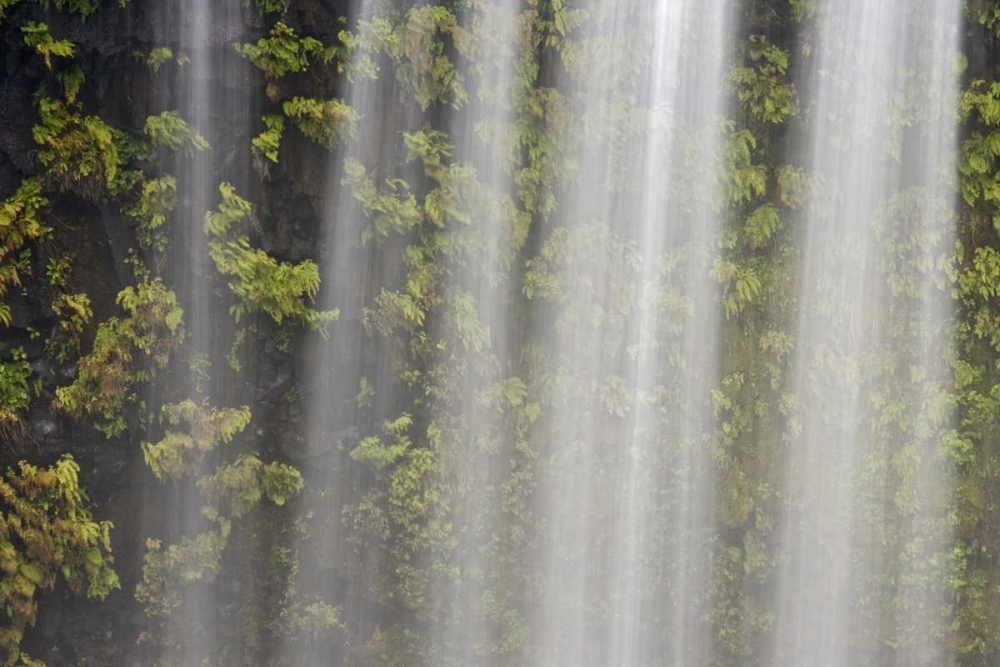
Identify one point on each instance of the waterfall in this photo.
(351, 389)
(500, 333)
(210, 99)
(619, 344)
(628, 473)
(867, 490)
(480, 290)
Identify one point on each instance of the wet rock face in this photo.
(122, 91)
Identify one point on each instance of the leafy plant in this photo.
(272, 6)
(418, 45)
(37, 36)
(762, 85)
(326, 122)
(268, 142)
(282, 53)
(259, 282)
(79, 151)
(233, 490)
(157, 199)
(165, 571)
(127, 350)
(4, 6)
(47, 532)
(15, 392)
(181, 452)
(393, 209)
(19, 224)
(158, 56)
(170, 130)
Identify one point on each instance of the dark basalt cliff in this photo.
(332, 541)
(123, 91)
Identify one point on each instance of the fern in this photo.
(326, 122)
(127, 350)
(268, 142)
(282, 53)
(79, 151)
(259, 282)
(170, 130)
(37, 36)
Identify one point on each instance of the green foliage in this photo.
(282, 53)
(230, 492)
(181, 452)
(980, 183)
(268, 142)
(37, 36)
(744, 180)
(170, 130)
(72, 79)
(272, 6)
(260, 283)
(19, 225)
(418, 45)
(74, 314)
(761, 225)
(394, 209)
(762, 85)
(4, 6)
(233, 490)
(157, 199)
(158, 56)
(165, 571)
(741, 285)
(127, 351)
(82, 7)
(405, 514)
(78, 151)
(15, 391)
(326, 122)
(984, 12)
(802, 9)
(281, 483)
(47, 530)
(483, 431)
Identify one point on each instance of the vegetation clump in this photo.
(78, 151)
(170, 130)
(283, 52)
(326, 122)
(128, 350)
(260, 283)
(47, 533)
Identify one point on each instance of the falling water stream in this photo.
(620, 501)
(871, 352)
(621, 498)
(625, 485)
(215, 106)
